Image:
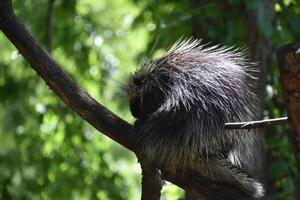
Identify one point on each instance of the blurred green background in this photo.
(48, 152)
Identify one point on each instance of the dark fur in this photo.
(181, 102)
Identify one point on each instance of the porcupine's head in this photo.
(191, 76)
(148, 89)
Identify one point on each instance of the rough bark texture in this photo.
(289, 61)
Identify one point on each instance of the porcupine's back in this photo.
(182, 101)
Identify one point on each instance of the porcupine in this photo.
(182, 101)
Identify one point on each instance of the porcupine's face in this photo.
(146, 91)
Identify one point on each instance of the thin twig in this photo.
(256, 124)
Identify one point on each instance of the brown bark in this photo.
(289, 61)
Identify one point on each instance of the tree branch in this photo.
(289, 62)
(151, 182)
(256, 124)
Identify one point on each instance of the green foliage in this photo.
(48, 152)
